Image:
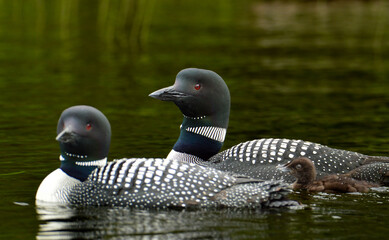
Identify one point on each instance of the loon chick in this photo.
(84, 178)
(204, 99)
(305, 173)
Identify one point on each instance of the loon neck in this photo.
(200, 137)
(80, 168)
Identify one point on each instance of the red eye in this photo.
(197, 86)
(88, 126)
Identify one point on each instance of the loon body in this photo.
(202, 96)
(85, 178)
(261, 157)
(303, 169)
(163, 183)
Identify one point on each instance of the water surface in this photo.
(316, 71)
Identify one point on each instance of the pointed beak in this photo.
(66, 136)
(167, 94)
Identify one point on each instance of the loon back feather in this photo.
(162, 183)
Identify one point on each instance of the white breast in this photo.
(55, 187)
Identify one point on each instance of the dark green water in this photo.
(312, 70)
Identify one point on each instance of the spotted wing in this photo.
(162, 183)
(374, 172)
(260, 158)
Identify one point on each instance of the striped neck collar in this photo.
(214, 133)
(204, 126)
(85, 163)
(202, 137)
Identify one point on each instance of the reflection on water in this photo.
(332, 216)
(312, 70)
(64, 222)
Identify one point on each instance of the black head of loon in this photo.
(204, 99)
(84, 136)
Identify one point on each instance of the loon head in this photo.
(204, 99)
(199, 93)
(302, 169)
(84, 136)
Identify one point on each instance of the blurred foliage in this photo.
(312, 70)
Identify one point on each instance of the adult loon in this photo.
(85, 178)
(303, 169)
(204, 99)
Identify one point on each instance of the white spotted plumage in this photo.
(178, 185)
(259, 158)
(185, 157)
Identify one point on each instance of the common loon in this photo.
(204, 99)
(85, 178)
(303, 169)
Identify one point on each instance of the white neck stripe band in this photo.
(97, 163)
(214, 133)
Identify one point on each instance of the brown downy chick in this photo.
(303, 169)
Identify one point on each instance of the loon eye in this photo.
(88, 126)
(197, 86)
(298, 166)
